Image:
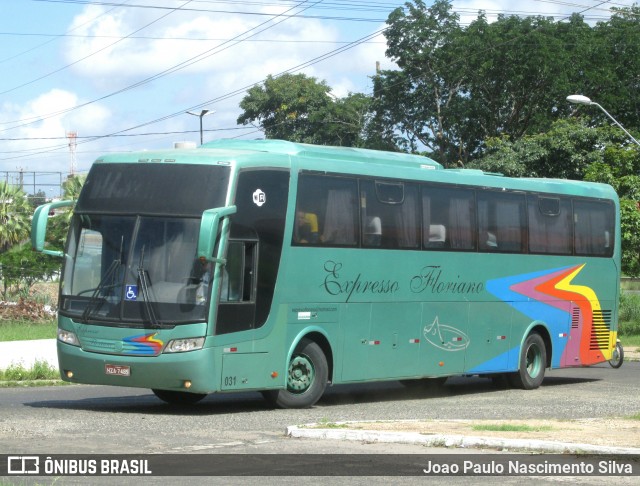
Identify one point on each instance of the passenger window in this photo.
(449, 218)
(389, 212)
(549, 225)
(593, 227)
(326, 211)
(501, 221)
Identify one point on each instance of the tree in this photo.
(15, 213)
(565, 151)
(299, 108)
(59, 224)
(620, 167)
(37, 199)
(458, 87)
(20, 268)
(288, 107)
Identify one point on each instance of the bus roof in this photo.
(350, 160)
(324, 152)
(239, 149)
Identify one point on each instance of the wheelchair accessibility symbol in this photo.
(131, 292)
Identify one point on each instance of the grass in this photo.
(41, 374)
(633, 340)
(27, 330)
(324, 423)
(510, 428)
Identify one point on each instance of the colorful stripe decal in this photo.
(142, 345)
(550, 297)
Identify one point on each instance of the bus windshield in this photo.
(132, 268)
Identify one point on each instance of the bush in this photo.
(20, 268)
(629, 315)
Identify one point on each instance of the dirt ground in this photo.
(605, 432)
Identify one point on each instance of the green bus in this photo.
(281, 267)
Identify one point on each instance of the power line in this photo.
(204, 55)
(231, 94)
(96, 52)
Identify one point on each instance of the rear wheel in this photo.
(307, 377)
(178, 397)
(617, 357)
(533, 361)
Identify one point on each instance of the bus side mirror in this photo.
(39, 225)
(209, 230)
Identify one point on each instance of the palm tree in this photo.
(72, 186)
(59, 225)
(15, 216)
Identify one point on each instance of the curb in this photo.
(461, 441)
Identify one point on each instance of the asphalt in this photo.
(26, 353)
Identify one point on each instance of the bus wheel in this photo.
(306, 378)
(533, 360)
(178, 397)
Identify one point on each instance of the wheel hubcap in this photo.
(301, 374)
(534, 361)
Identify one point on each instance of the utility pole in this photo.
(72, 136)
(201, 115)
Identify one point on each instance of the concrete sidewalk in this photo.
(26, 353)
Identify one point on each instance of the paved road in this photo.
(105, 420)
(88, 419)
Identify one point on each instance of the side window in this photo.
(593, 227)
(550, 229)
(89, 258)
(389, 214)
(501, 221)
(326, 211)
(238, 282)
(449, 218)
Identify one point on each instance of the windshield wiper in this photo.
(146, 293)
(93, 301)
(91, 305)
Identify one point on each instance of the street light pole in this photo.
(583, 100)
(201, 115)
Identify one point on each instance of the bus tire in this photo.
(307, 376)
(178, 397)
(533, 361)
(617, 357)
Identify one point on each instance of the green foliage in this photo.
(457, 87)
(15, 213)
(58, 226)
(630, 231)
(629, 314)
(41, 370)
(511, 428)
(37, 199)
(299, 108)
(24, 330)
(20, 268)
(570, 149)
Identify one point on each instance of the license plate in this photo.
(117, 370)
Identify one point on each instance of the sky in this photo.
(122, 74)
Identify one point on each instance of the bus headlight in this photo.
(68, 337)
(184, 345)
